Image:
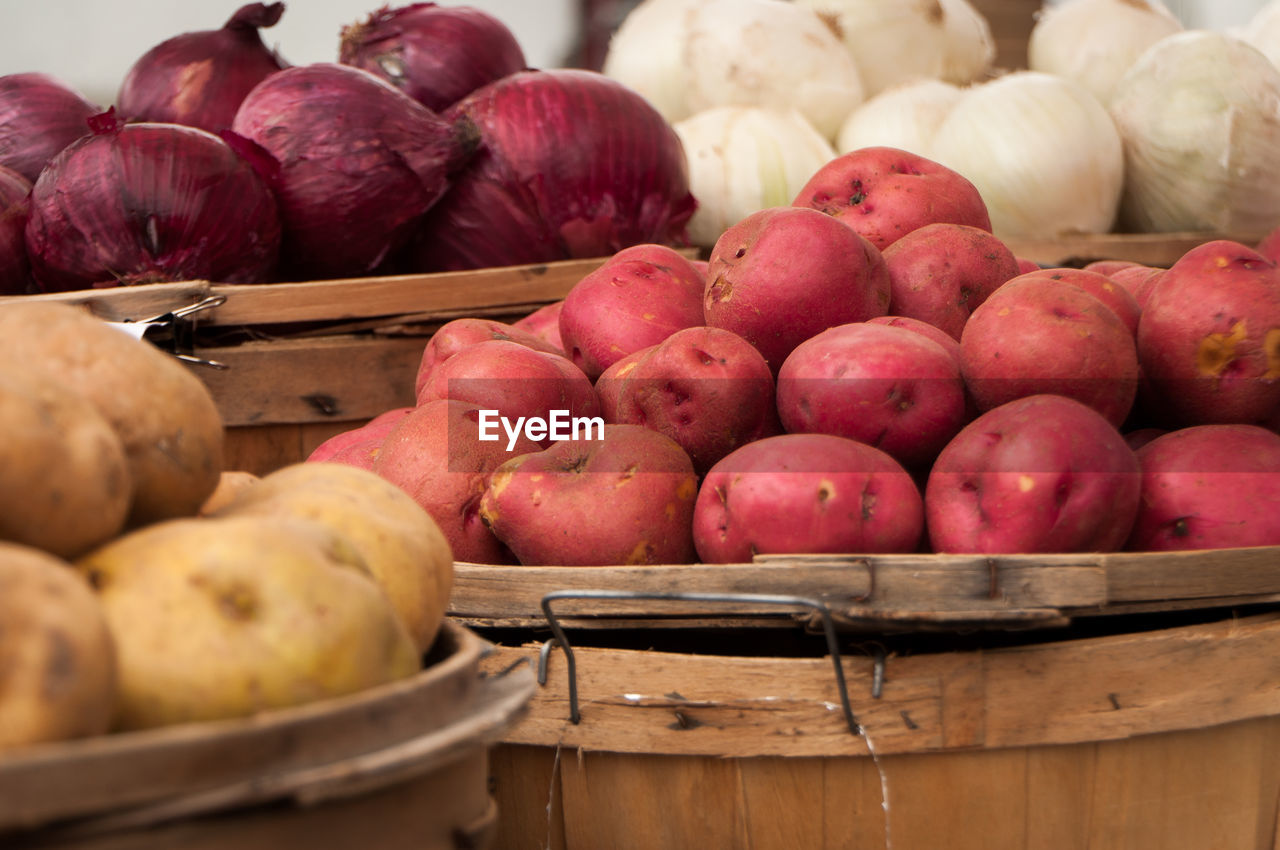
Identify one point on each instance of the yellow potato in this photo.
(65, 484)
(217, 618)
(165, 416)
(57, 657)
(231, 483)
(400, 543)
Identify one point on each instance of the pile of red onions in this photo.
(145, 203)
(15, 278)
(437, 55)
(200, 78)
(573, 165)
(360, 164)
(39, 116)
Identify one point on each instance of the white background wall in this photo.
(91, 43)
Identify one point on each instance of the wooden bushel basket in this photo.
(1115, 701)
(404, 765)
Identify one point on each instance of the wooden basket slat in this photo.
(49, 782)
(514, 287)
(1153, 249)
(1036, 694)
(931, 589)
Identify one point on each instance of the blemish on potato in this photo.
(688, 488)
(237, 602)
(1271, 347)
(499, 481)
(826, 489)
(1026, 483)
(627, 474)
(1217, 350)
(642, 553)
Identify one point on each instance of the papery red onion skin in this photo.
(437, 55)
(200, 78)
(573, 165)
(15, 273)
(39, 116)
(150, 202)
(360, 163)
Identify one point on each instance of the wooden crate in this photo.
(1011, 22)
(404, 765)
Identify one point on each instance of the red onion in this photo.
(39, 116)
(573, 164)
(15, 277)
(144, 203)
(434, 54)
(199, 78)
(360, 163)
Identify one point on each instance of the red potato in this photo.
(884, 193)
(1040, 474)
(458, 334)
(797, 493)
(1027, 265)
(888, 387)
(940, 273)
(609, 384)
(544, 323)
(1108, 267)
(352, 444)
(1119, 299)
(783, 274)
(435, 454)
(1269, 245)
(625, 497)
(514, 380)
(933, 332)
(706, 388)
(946, 340)
(1209, 487)
(1139, 437)
(1138, 280)
(1209, 339)
(637, 298)
(361, 453)
(1034, 335)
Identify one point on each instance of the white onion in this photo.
(1095, 41)
(1263, 31)
(685, 57)
(971, 49)
(1199, 114)
(893, 41)
(745, 159)
(646, 52)
(905, 116)
(1043, 153)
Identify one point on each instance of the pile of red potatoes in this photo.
(868, 370)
